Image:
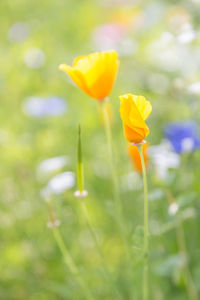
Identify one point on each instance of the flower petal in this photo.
(134, 110)
(99, 71)
(76, 76)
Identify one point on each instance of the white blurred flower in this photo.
(82, 194)
(34, 58)
(51, 224)
(18, 32)
(113, 3)
(51, 165)
(167, 37)
(169, 54)
(131, 181)
(187, 144)
(187, 34)
(61, 182)
(173, 208)
(194, 88)
(127, 47)
(163, 159)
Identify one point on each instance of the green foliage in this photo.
(31, 264)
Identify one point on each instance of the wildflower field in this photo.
(100, 150)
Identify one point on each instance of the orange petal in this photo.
(135, 156)
(136, 135)
(133, 111)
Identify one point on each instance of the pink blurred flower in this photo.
(107, 36)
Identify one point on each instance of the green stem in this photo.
(146, 230)
(85, 213)
(180, 235)
(117, 200)
(70, 263)
(191, 289)
(92, 232)
(80, 188)
(116, 195)
(80, 175)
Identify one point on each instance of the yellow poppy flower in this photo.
(134, 110)
(95, 73)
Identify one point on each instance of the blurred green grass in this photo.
(31, 264)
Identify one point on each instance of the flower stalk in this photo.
(70, 263)
(80, 174)
(80, 184)
(116, 194)
(190, 286)
(181, 242)
(66, 255)
(146, 229)
(118, 206)
(82, 193)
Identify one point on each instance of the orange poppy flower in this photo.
(95, 73)
(134, 110)
(135, 156)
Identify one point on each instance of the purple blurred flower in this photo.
(44, 107)
(183, 136)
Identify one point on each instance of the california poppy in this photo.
(95, 73)
(134, 110)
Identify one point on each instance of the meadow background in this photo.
(158, 43)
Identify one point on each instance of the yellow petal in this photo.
(134, 110)
(143, 106)
(76, 76)
(95, 73)
(103, 84)
(130, 113)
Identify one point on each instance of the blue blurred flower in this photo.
(183, 136)
(44, 107)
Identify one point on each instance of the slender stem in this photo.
(191, 289)
(118, 206)
(70, 263)
(93, 234)
(80, 162)
(146, 230)
(80, 188)
(80, 172)
(180, 235)
(67, 257)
